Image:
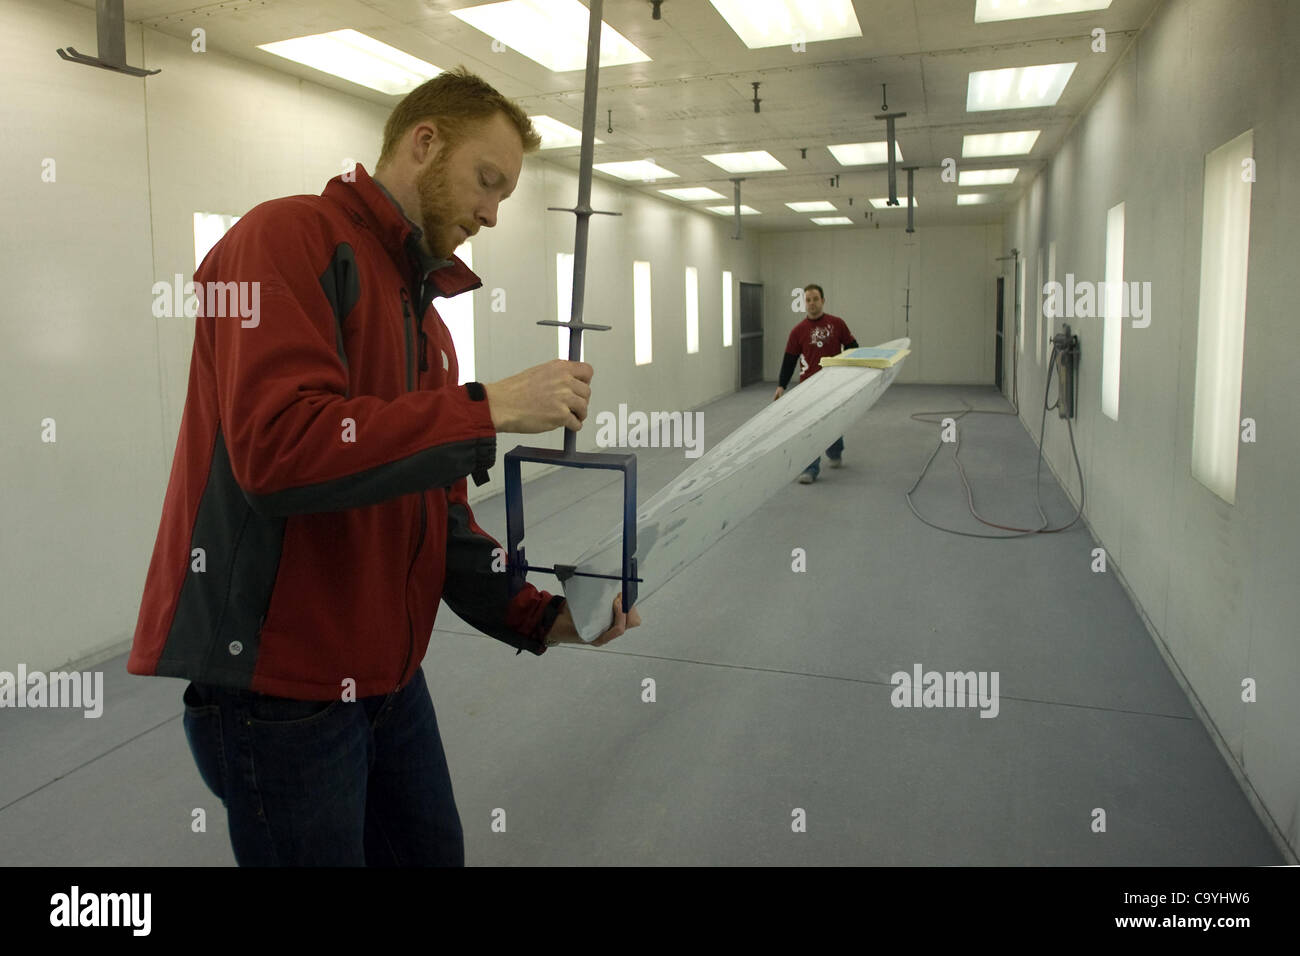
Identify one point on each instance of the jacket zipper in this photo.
(419, 541)
(410, 341)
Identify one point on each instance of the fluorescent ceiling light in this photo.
(556, 135)
(864, 154)
(764, 23)
(1017, 87)
(357, 58)
(820, 206)
(986, 177)
(693, 193)
(999, 144)
(731, 210)
(643, 169)
(973, 199)
(550, 32)
(991, 11)
(883, 203)
(757, 161)
(832, 220)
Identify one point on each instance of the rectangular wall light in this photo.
(1112, 329)
(1221, 323)
(458, 315)
(641, 321)
(726, 310)
(564, 305)
(692, 310)
(1038, 322)
(209, 227)
(1020, 318)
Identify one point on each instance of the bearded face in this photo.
(438, 217)
(459, 187)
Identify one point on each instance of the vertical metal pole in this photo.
(910, 207)
(889, 119)
(907, 306)
(110, 30)
(737, 207)
(889, 156)
(583, 207)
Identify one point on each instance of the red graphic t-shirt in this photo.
(813, 339)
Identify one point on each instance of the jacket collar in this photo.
(370, 204)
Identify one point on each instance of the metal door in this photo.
(751, 333)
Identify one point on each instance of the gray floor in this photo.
(773, 693)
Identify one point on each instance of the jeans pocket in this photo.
(202, 722)
(284, 711)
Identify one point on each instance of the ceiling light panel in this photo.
(557, 135)
(999, 144)
(645, 170)
(993, 11)
(986, 177)
(766, 23)
(357, 58)
(756, 161)
(1017, 87)
(693, 193)
(864, 154)
(550, 32)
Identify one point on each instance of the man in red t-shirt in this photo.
(817, 335)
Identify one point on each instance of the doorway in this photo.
(751, 333)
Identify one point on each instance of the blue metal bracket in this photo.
(516, 563)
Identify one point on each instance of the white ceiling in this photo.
(696, 96)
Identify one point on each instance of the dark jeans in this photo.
(327, 783)
(835, 451)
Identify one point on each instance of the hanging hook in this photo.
(611, 121)
(884, 105)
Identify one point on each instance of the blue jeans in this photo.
(327, 783)
(835, 451)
